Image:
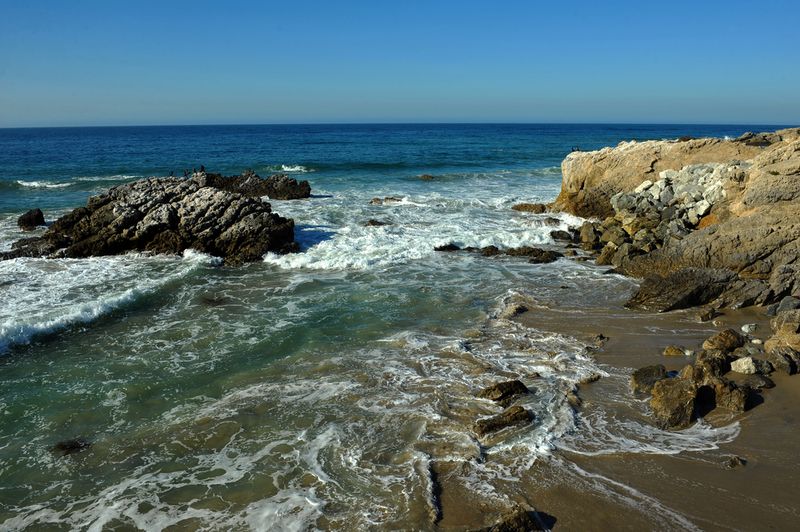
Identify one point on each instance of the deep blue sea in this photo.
(316, 390)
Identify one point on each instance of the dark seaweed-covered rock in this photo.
(535, 255)
(374, 223)
(76, 445)
(515, 415)
(503, 392)
(31, 219)
(447, 247)
(165, 215)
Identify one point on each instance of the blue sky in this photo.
(175, 62)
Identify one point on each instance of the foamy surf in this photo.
(78, 290)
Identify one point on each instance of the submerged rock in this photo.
(515, 415)
(31, 220)
(76, 445)
(504, 392)
(447, 247)
(375, 223)
(165, 215)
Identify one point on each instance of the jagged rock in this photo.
(536, 255)
(784, 359)
(589, 236)
(504, 392)
(725, 341)
(750, 366)
(447, 247)
(165, 215)
(535, 208)
(730, 396)
(673, 403)
(277, 187)
(643, 379)
(30, 220)
(490, 251)
(388, 200)
(515, 415)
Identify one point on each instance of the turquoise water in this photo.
(309, 390)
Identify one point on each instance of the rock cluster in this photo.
(165, 215)
(533, 254)
(728, 372)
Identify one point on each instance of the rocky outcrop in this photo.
(591, 178)
(165, 215)
(276, 187)
(725, 232)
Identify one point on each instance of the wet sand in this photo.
(638, 491)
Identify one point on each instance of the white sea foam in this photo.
(114, 177)
(78, 291)
(42, 184)
(297, 168)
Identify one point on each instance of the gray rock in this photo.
(784, 359)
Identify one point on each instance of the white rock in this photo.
(644, 186)
(749, 328)
(744, 365)
(702, 207)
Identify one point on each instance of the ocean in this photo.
(326, 389)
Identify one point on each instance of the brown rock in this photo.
(515, 415)
(674, 351)
(725, 341)
(535, 208)
(504, 392)
(673, 403)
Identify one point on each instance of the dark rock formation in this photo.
(165, 215)
(375, 223)
(685, 288)
(447, 247)
(31, 220)
(515, 415)
(503, 392)
(277, 187)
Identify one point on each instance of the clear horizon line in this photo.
(410, 123)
